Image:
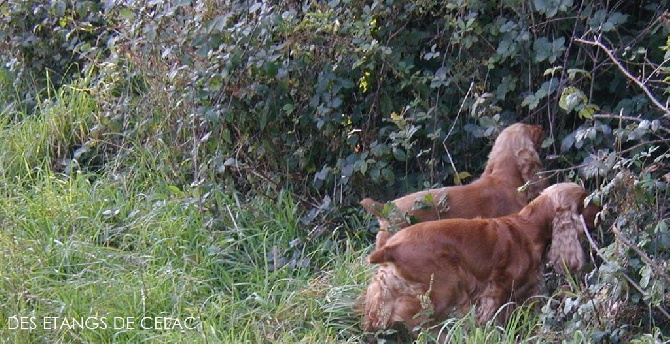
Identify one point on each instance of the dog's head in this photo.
(590, 213)
(514, 156)
(518, 135)
(536, 135)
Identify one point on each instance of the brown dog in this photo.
(431, 269)
(512, 163)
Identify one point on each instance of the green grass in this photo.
(133, 241)
(34, 142)
(71, 248)
(128, 243)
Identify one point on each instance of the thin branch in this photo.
(652, 142)
(444, 142)
(558, 170)
(663, 108)
(656, 268)
(627, 118)
(595, 247)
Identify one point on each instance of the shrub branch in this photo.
(630, 281)
(640, 84)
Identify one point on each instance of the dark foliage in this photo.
(344, 99)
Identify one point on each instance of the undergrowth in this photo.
(125, 219)
(122, 254)
(77, 249)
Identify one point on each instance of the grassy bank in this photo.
(124, 250)
(143, 264)
(122, 254)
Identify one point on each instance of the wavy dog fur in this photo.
(513, 162)
(458, 263)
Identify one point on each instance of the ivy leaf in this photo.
(375, 173)
(271, 69)
(614, 20)
(547, 88)
(323, 174)
(572, 73)
(388, 174)
(531, 101)
(601, 20)
(645, 273)
(551, 7)
(507, 85)
(399, 154)
(545, 50)
(348, 170)
(509, 26)
(541, 6)
(588, 111)
(458, 178)
(567, 142)
(361, 166)
(557, 48)
(597, 19)
(441, 73)
(506, 48)
(474, 130)
(571, 98)
(288, 108)
(440, 78)
(379, 149)
(59, 8)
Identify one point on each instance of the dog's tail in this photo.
(382, 255)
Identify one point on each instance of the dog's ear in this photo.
(565, 251)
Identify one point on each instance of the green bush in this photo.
(51, 41)
(334, 101)
(331, 97)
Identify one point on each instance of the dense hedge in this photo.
(330, 96)
(343, 99)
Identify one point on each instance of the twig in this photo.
(556, 171)
(595, 247)
(551, 173)
(666, 111)
(657, 269)
(628, 118)
(629, 149)
(444, 142)
(472, 84)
